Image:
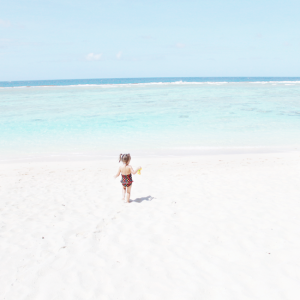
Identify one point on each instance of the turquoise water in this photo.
(148, 118)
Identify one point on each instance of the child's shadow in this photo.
(139, 200)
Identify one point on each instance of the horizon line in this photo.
(104, 78)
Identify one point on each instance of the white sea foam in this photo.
(117, 85)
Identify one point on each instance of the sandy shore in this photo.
(206, 227)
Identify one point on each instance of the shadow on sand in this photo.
(139, 200)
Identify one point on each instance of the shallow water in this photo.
(148, 118)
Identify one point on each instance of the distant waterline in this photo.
(118, 81)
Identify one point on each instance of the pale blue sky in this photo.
(43, 39)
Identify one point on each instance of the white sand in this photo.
(207, 227)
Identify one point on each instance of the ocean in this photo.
(94, 118)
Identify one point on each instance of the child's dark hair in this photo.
(125, 158)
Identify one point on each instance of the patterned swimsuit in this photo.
(127, 180)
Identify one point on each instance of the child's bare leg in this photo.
(123, 192)
(128, 193)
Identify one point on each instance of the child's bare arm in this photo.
(134, 171)
(117, 175)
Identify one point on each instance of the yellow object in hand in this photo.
(139, 171)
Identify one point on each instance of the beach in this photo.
(202, 98)
(198, 227)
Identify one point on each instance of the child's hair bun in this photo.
(125, 158)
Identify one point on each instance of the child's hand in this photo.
(119, 172)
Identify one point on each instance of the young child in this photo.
(126, 170)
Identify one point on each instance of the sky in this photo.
(74, 39)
